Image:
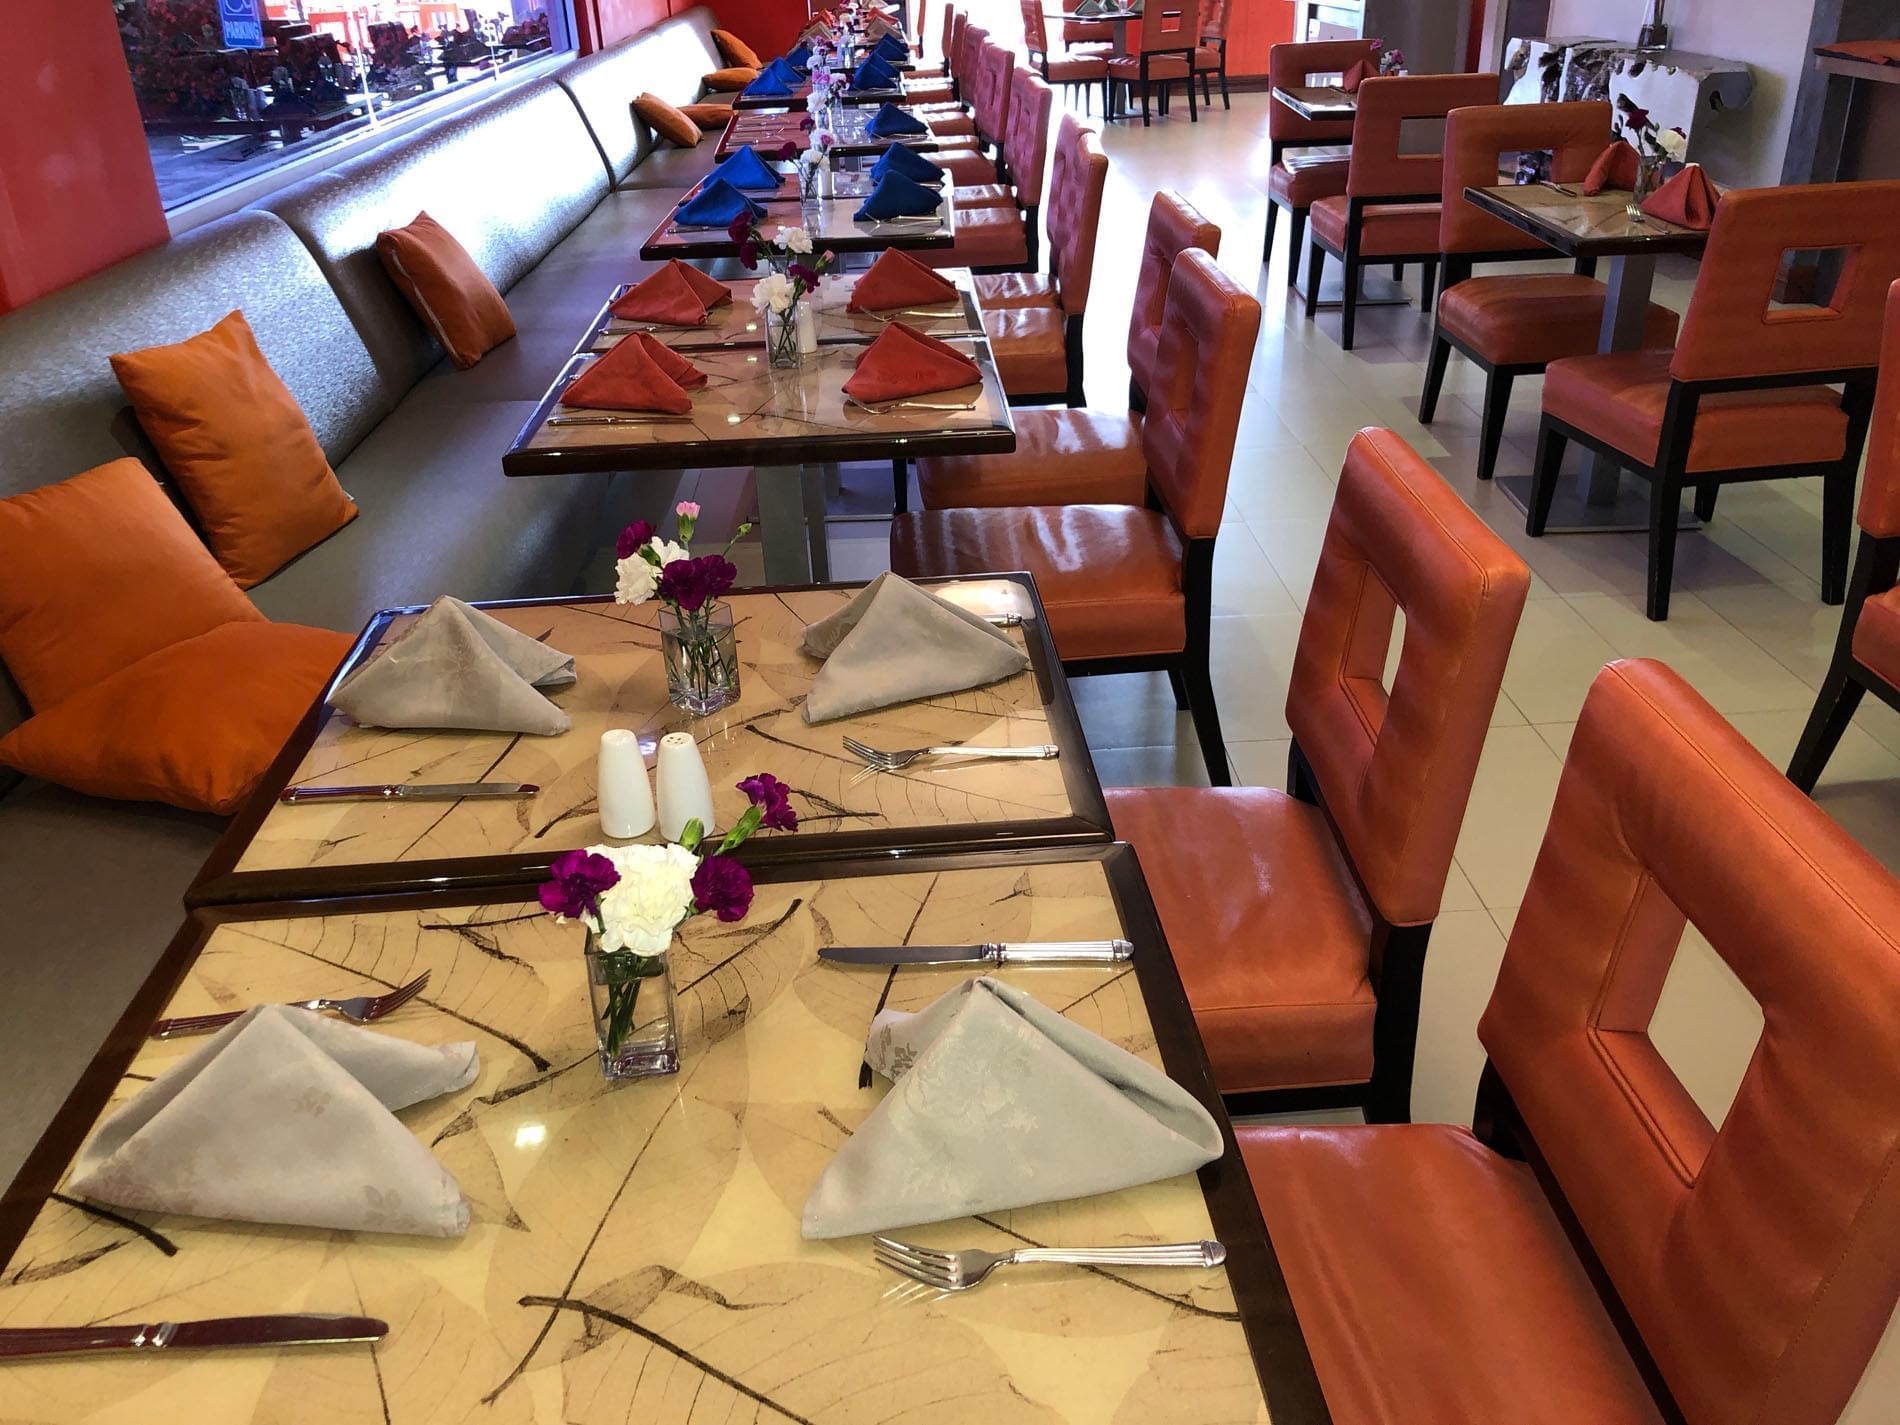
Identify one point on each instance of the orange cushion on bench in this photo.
(669, 122)
(450, 292)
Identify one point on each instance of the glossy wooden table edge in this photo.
(1268, 1319)
(218, 883)
(972, 316)
(1673, 240)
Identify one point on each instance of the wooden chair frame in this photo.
(1669, 475)
(1355, 265)
(1217, 43)
(1276, 149)
(1876, 570)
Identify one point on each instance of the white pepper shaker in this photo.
(685, 793)
(625, 794)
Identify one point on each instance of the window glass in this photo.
(230, 88)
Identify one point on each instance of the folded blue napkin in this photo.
(782, 67)
(800, 58)
(770, 86)
(745, 169)
(874, 73)
(898, 197)
(910, 163)
(716, 205)
(891, 122)
(891, 48)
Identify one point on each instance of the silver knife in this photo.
(219, 1332)
(414, 792)
(1047, 952)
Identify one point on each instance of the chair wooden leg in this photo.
(1840, 695)
(1349, 305)
(1435, 364)
(1226, 101)
(1550, 460)
(900, 487)
(1837, 527)
(1398, 272)
(1266, 248)
(1144, 103)
(1401, 960)
(1665, 516)
(1427, 283)
(1194, 108)
(1295, 242)
(1315, 269)
(1705, 494)
(1200, 699)
(1497, 401)
(1179, 684)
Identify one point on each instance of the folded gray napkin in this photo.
(895, 642)
(1001, 1102)
(284, 1117)
(458, 667)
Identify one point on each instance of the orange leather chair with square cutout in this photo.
(1299, 919)
(1065, 456)
(1597, 1249)
(1128, 588)
(1164, 43)
(1390, 209)
(1076, 73)
(1210, 55)
(1747, 392)
(1867, 652)
(931, 83)
(1308, 156)
(1511, 326)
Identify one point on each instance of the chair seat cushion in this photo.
(1877, 635)
(939, 92)
(1467, 1305)
(965, 165)
(950, 125)
(1619, 397)
(1160, 66)
(1300, 179)
(1062, 457)
(1075, 69)
(998, 290)
(1208, 57)
(1535, 318)
(1385, 229)
(1031, 347)
(985, 195)
(1109, 575)
(1266, 929)
(986, 237)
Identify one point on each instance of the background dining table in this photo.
(832, 222)
(767, 130)
(1318, 101)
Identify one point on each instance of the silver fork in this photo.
(959, 1271)
(886, 407)
(360, 1008)
(893, 761)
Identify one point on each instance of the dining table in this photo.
(799, 99)
(274, 850)
(633, 1249)
(1319, 102)
(832, 222)
(1599, 226)
(767, 130)
(1120, 16)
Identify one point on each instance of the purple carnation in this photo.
(739, 226)
(773, 798)
(787, 150)
(576, 881)
(803, 274)
(692, 583)
(749, 254)
(806, 124)
(722, 886)
(634, 536)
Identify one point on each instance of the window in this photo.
(230, 88)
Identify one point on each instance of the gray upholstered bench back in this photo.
(509, 179)
(668, 60)
(61, 409)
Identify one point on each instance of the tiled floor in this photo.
(1747, 626)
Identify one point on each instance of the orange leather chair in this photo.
(1867, 652)
(1308, 155)
(1299, 921)
(998, 224)
(1128, 588)
(1390, 209)
(969, 134)
(1076, 73)
(1597, 1250)
(1514, 326)
(1165, 40)
(1745, 394)
(927, 84)
(1210, 55)
(1065, 456)
(1086, 35)
(1035, 323)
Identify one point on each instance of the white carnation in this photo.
(655, 891)
(794, 240)
(1673, 142)
(666, 551)
(774, 290)
(637, 580)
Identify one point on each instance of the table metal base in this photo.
(792, 523)
(1574, 512)
(1373, 291)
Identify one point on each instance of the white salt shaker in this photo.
(684, 791)
(626, 796)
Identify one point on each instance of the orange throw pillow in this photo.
(95, 573)
(452, 295)
(734, 50)
(237, 444)
(194, 725)
(666, 121)
(725, 81)
(711, 117)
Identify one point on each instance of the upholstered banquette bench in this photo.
(550, 186)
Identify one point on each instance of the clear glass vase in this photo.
(781, 338)
(634, 1024)
(1648, 178)
(701, 653)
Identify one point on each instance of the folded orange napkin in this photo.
(1351, 80)
(676, 296)
(897, 279)
(903, 362)
(1615, 168)
(1687, 200)
(641, 373)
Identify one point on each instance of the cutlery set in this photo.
(362, 1009)
(878, 761)
(412, 792)
(959, 1271)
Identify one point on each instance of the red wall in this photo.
(769, 26)
(76, 186)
